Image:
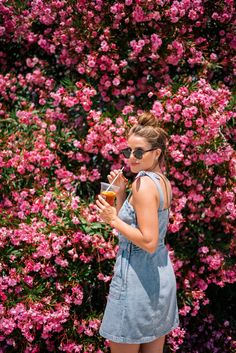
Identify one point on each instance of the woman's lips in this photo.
(133, 164)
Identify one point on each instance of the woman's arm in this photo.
(145, 202)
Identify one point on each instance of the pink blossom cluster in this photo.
(48, 315)
(203, 114)
(104, 136)
(73, 77)
(29, 320)
(81, 96)
(79, 39)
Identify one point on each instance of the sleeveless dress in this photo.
(141, 305)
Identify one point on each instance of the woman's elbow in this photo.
(150, 243)
(151, 247)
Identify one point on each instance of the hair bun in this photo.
(148, 119)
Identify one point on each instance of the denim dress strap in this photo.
(156, 180)
(164, 180)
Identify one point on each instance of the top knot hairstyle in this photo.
(148, 127)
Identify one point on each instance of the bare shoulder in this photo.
(144, 186)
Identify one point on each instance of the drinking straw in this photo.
(115, 178)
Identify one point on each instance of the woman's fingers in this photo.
(101, 202)
(110, 178)
(105, 210)
(113, 174)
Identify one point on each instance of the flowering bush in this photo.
(74, 74)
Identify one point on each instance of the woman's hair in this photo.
(148, 127)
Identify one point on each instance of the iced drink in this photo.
(109, 192)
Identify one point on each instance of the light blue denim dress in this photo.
(142, 303)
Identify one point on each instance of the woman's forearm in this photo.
(134, 235)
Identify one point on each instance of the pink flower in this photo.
(104, 278)
(127, 109)
(157, 108)
(203, 250)
(29, 280)
(185, 310)
(116, 81)
(156, 42)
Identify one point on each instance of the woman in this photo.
(141, 307)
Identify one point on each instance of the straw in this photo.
(115, 179)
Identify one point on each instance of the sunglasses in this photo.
(138, 153)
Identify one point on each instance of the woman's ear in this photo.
(158, 153)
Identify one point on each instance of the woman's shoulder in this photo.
(142, 182)
(150, 174)
(146, 177)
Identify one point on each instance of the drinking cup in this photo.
(109, 192)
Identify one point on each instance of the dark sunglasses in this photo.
(138, 153)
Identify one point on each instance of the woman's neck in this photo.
(157, 169)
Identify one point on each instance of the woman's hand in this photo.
(105, 210)
(121, 181)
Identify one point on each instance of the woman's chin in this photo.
(135, 168)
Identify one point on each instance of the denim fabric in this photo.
(142, 303)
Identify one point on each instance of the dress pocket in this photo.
(119, 279)
(115, 287)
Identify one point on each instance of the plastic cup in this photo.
(109, 194)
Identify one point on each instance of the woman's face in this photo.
(148, 160)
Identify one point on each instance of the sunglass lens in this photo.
(126, 152)
(138, 154)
